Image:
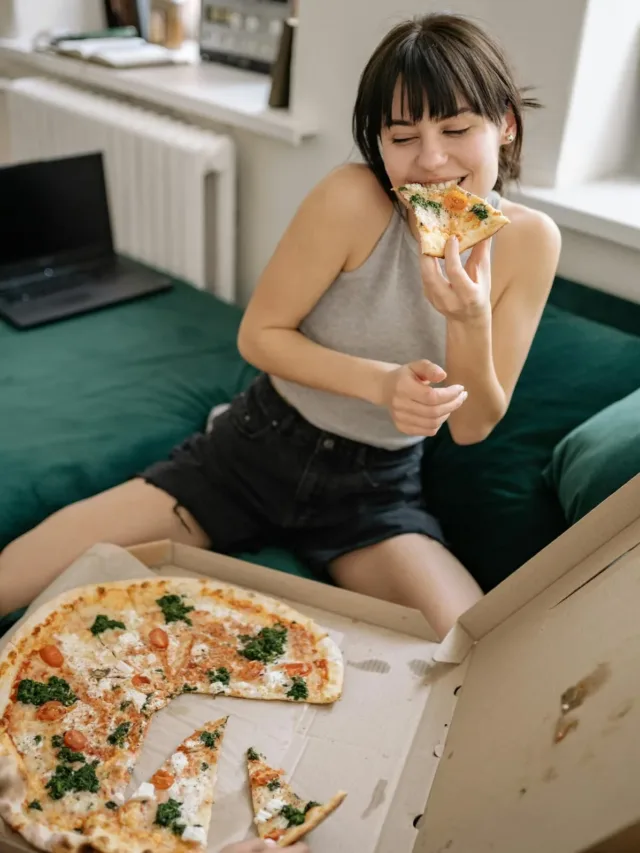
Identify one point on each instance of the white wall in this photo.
(603, 115)
(25, 18)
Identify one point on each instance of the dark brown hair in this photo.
(440, 59)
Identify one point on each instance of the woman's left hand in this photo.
(466, 295)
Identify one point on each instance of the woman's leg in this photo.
(412, 570)
(126, 515)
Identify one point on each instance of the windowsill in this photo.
(608, 209)
(203, 90)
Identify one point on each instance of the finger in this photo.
(427, 371)
(421, 410)
(480, 255)
(452, 262)
(429, 396)
(426, 429)
(432, 277)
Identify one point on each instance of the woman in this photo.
(355, 332)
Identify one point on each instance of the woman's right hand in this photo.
(415, 406)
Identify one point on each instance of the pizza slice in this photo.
(280, 815)
(446, 210)
(248, 646)
(69, 728)
(170, 812)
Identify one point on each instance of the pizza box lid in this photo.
(473, 728)
(542, 750)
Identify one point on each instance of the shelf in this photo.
(203, 90)
(608, 209)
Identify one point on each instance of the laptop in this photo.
(57, 257)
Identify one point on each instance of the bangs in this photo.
(434, 79)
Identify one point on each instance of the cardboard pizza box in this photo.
(518, 733)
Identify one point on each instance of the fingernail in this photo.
(464, 396)
(459, 389)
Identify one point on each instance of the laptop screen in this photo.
(53, 212)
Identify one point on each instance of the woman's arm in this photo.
(487, 348)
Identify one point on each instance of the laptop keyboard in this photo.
(51, 286)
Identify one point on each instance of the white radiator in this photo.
(171, 186)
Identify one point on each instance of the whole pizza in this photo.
(82, 677)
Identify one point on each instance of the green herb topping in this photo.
(293, 816)
(252, 755)
(35, 804)
(57, 741)
(66, 779)
(266, 646)
(174, 608)
(168, 815)
(103, 623)
(69, 757)
(111, 805)
(222, 675)
(480, 211)
(273, 785)
(37, 692)
(117, 737)
(425, 203)
(298, 688)
(209, 739)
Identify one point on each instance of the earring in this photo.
(511, 137)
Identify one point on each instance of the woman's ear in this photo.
(508, 128)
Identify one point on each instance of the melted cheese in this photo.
(179, 761)
(195, 833)
(136, 697)
(263, 816)
(192, 793)
(27, 744)
(146, 791)
(199, 652)
(275, 678)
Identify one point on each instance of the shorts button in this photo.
(328, 444)
(247, 417)
(274, 423)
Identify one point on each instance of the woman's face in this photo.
(464, 148)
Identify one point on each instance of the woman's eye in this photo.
(403, 140)
(460, 132)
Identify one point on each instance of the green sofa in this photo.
(88, 403)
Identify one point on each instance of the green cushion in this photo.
(496, 508)
(89, 402)
(597, 458)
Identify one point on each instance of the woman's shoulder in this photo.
(352, 198)
(354, 184)
(530, 243)
(528, 223)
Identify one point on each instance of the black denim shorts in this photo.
(264, 476)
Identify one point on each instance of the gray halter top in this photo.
(377, 311)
